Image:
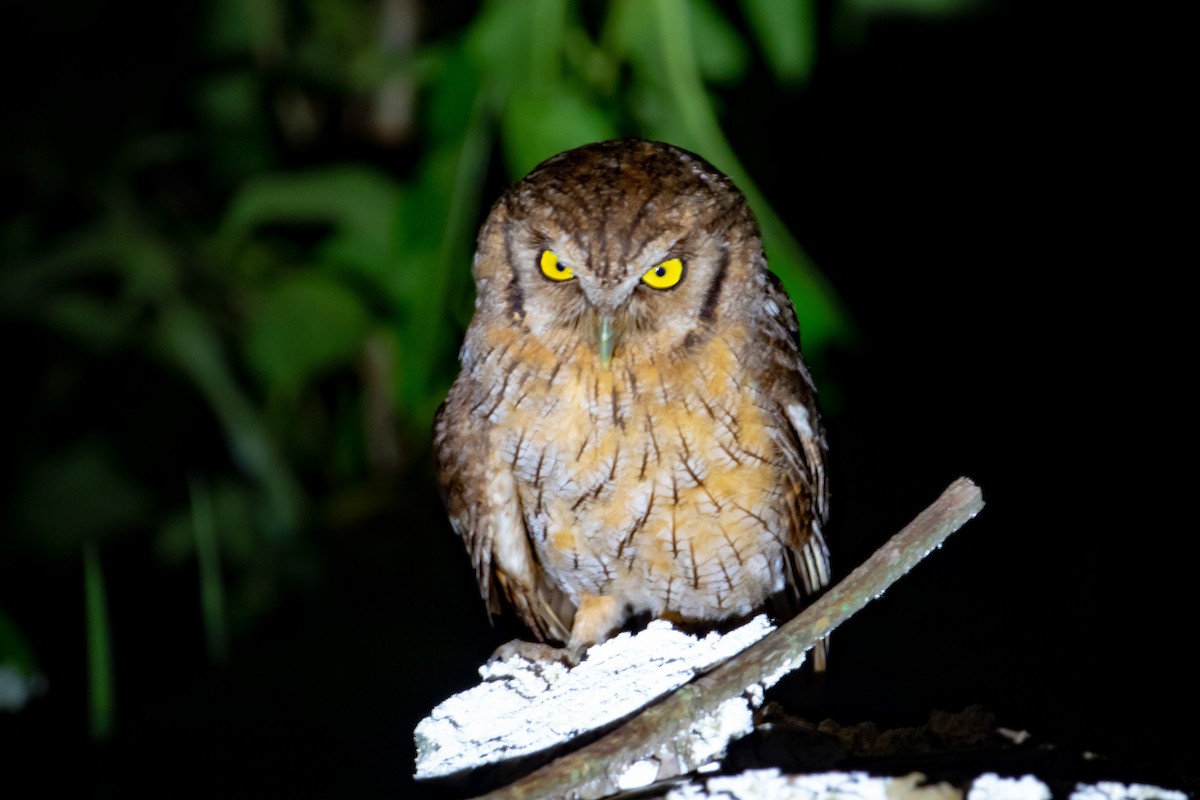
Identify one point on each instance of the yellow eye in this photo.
(554, 270)
(665, 275)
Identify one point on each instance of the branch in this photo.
(594, 771)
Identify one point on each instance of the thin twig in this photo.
(592, 771)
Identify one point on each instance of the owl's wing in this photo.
(807, 502)
(803, 442)
(484, 507)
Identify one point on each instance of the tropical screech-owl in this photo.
(634, 429)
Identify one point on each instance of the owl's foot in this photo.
(538, 653)
(595, 620)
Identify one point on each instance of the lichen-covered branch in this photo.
(595, 770)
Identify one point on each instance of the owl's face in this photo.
(621, 244)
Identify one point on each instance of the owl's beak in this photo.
(606, 338)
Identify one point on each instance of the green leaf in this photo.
(97, 325)
(537, 126)
(231, 100)
(79, 494)
(233, 509)
(237, 134)
(208, 558)
(355, 198)
(101, 686)
(930, 8)
(234, 27)
(303, 325)
(453, 94)
(188, 341)
(519, 44)
(84, 252)
(15, 649)
(629, 28)
(787, 32)
(720, 52)
(146, 262)
(388, 272)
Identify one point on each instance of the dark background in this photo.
(953, 179)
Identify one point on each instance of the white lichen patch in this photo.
(757, 784)
(638, 774)
(770, 784)
(991, 786)
(1110, 790)
(522, 707)
(708, 737)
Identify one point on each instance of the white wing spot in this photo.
(798, 416)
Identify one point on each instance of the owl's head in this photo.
(624, 243)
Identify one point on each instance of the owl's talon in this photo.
(573, 654)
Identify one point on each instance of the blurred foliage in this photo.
(242, 306)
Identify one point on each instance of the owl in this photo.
(633, 431)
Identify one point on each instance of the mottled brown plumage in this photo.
(611, 448)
